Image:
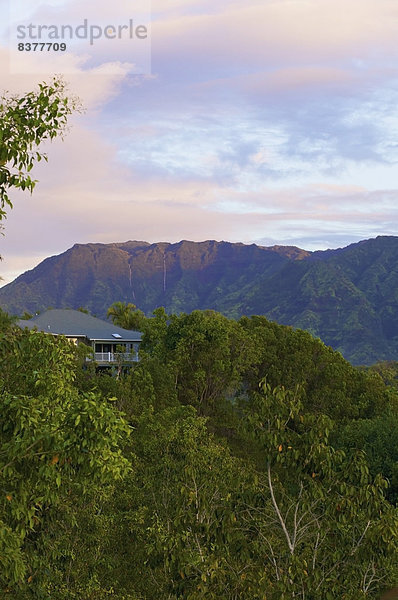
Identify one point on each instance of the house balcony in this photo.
(113, 358)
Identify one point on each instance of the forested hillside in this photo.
(223, 465)
(347, 297)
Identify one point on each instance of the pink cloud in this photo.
(281, 32)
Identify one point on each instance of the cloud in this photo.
(271, 120)
(277, 34)
(93, 88)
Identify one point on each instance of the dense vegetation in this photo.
(228, 463)
(347, 297)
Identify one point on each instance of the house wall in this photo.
(78, 340)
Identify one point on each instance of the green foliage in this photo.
(208, 354)
(378, 437)
(180, 511)
(56, 443)
(27, 121)
(126, 315)
(274, 493)
(6, 321)
(26, 316)
(83, 310)
(388, 371)
(330, 384)
(325, 528)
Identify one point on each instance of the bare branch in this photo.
(278, 512)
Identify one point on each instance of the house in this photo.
(111, 345)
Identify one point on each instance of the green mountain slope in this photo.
(347, 297)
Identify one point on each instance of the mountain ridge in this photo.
(346, 296)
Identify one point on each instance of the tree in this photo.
(126, 315)
(378, 437)
(323, 524)
(57, 445)
(26, 122)
(330, 384)
(182, 538)
(208, 353)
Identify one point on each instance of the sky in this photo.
(272, 121)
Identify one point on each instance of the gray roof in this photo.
(74, 323)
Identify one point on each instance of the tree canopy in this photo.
(187, 479)
(126, 315)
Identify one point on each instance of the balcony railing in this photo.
(114, 357)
